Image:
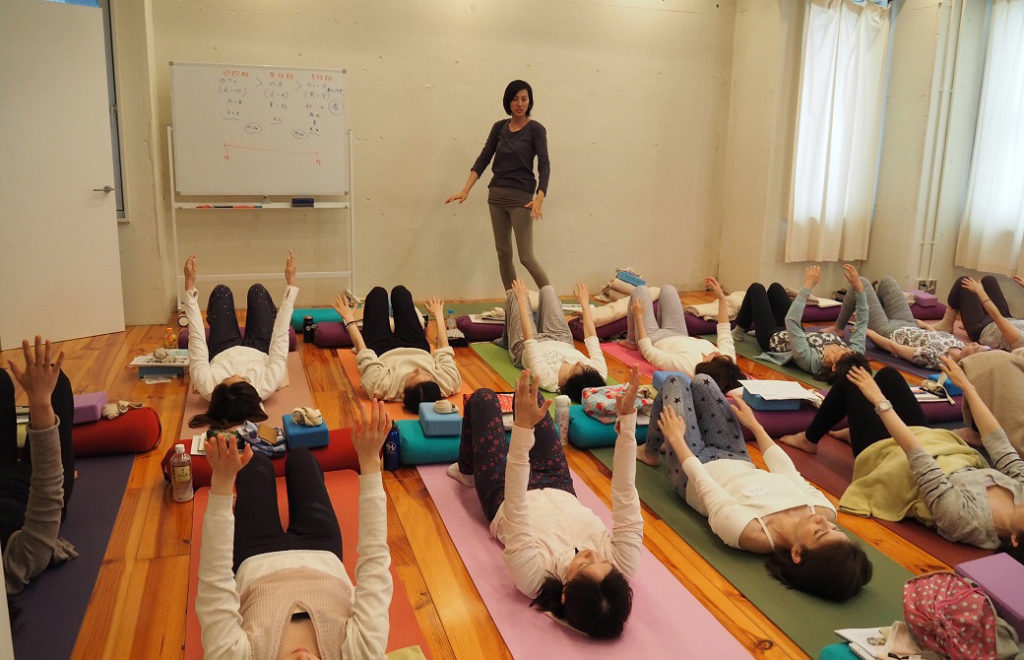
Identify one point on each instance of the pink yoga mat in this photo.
(666, 622)
(628, 357)
(295, 394)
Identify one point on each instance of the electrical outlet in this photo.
(928, 286)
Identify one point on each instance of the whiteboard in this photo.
(263, 130)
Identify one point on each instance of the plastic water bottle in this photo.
(562, 417)
(449, 322)
(181, 475)
(170, 338)
(391, 444)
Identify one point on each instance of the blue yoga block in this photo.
(950, 387)
(630, 278)
(297, 435)
(756, 402)
(660, 377)
(434, 423)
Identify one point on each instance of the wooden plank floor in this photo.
(137, 608)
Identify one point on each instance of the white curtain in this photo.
(839, 125)
(993, 222)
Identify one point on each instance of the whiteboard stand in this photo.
(208, 206)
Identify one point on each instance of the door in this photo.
(60, 268)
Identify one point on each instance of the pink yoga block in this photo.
(1002, 578)
(923, 298)
(89, 406)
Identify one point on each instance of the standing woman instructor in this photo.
(514, 143)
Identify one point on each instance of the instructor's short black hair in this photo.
(514, 88)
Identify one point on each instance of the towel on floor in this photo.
(814, 300)
(709, 310)
(883, 485)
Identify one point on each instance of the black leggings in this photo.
(766, 310)
(866, 428)
(260, 314)
(377, 333)
(312, 523)
(16, 466)
(972, 312)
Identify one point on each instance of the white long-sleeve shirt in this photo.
(542, 528)
(544, 358)
(682, 353)
(732, 493)
(218, 599)
(264, 371)
(384, 377)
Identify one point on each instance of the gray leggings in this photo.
(888, 310)
(712, 431)
(669, 321)
(505, 219)
(551, 323)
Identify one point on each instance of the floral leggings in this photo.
(485, 446)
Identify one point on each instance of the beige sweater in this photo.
(999, 378)
(383, 377)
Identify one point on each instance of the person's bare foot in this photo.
(800, 441)
(841, 434)
(647, 459)
(627, 344)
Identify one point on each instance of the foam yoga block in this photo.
(183, 337)
(331, 335)
(434, 423)
(299, 435)
(415, 448)
(89, 406)
(135, 431)
(586, 432)
(1002, 578)
(478, 331)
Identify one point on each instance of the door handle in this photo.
(105, 189)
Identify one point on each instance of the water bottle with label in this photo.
(391, 444)
(449, 321)
(181, 474)
(562, 417)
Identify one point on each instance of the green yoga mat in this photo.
(497, 358)
(808, 621)
(749, 348)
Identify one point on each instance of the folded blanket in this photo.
(884, 487)
(616, 310)
(709, 310)
(814, 300)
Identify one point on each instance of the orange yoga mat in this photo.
(343, 487)
(394, 408)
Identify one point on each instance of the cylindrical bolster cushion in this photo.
(135, 431)
(339, 454)
(605, 331)
(478, 331)
(330, 334)
(183, 337)
(319, 314)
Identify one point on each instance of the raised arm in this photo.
(1010, 333)
(803, 354)
(348, 317)
(582, 294)
(198, 353)
(525, 313)
(860, 327)
(627, 522)
(272, 377)
(435, 306)
(901, 433)
(522, 552)
(980, 412)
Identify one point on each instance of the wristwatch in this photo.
(883, 406)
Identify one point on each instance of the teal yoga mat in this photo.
(749, 348)
(807, 620)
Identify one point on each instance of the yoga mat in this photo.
(497, 358)
(666, 621)
(874, 353)
(748, 348)
(296, 393)
(628, 357)
(394, 408)
(343, 487)
(831, 468)
(53, 604)
(809, 621)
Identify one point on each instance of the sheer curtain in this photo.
(839, 125)
(993, 222)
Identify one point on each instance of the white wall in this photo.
(634, 99)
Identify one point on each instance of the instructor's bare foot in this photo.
(647, 459)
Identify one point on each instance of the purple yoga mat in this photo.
(666, 622)
(54, 603)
